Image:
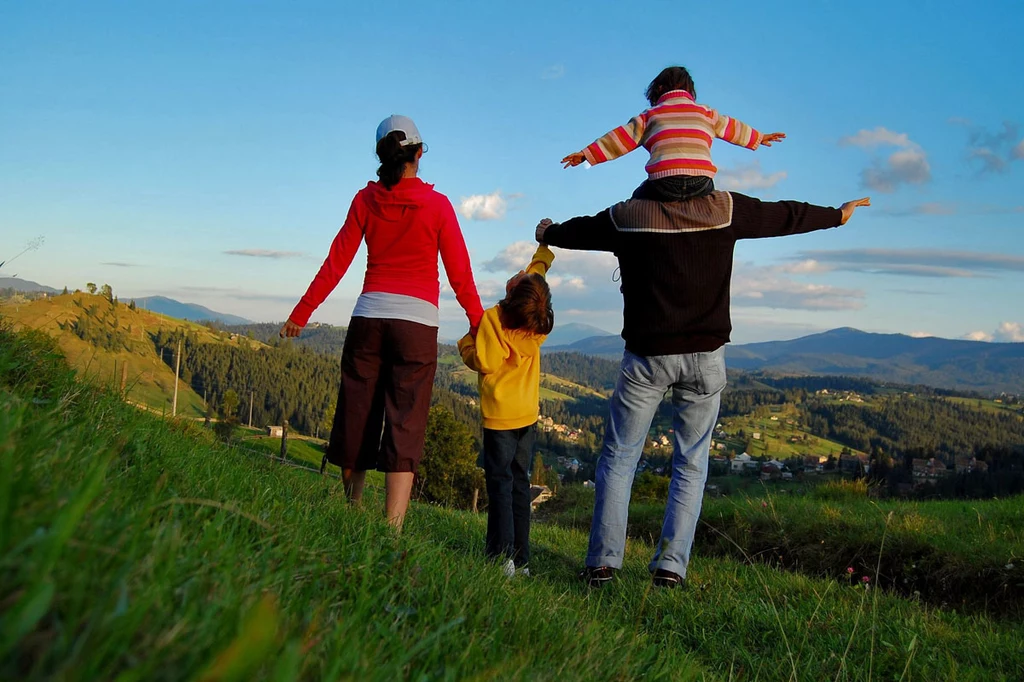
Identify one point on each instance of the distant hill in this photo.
(565, 334)
(931, 361)
(25, 285)
(322, 338)
(187, 311)
(99, 338)
(604, 346)
(942, 363)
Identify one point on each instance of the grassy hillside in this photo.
(957, 553)
(150, 380)
(145, 551)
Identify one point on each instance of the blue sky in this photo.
(209, 151)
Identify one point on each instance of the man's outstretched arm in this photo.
(754, 219)
(586, 233)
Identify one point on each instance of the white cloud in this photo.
(907, 165)
(748, 176)
(570, 283)
(805, 267)
(1006, 332)
(553, 72)
(590, 266)
(760, 286)
(915, 262)
(483, 206)
(921, 335)
(264, 253)
(1010, 331)
(876, 137)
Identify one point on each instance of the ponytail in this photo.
(394, 157)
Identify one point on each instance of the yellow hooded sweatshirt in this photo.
(508, 362)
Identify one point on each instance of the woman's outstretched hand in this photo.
(574, 160)
(849, 207)
(290, 330)
(768, 138)
(542, 226)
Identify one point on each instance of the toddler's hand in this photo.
(768, 138)
(574, 160)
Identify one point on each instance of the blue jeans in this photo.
(506, 461)
(696, 381)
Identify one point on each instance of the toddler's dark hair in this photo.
(671, 78)
(528, 306)
(393, 157)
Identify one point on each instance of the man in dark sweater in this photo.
(676, 264)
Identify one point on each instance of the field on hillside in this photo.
(962, 554)
(150, 379)
(780, 434)
(146, 551)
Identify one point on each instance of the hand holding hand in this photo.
(290, 330)
(574, 159)
(768, 138)
(849, 207)
(542, 226)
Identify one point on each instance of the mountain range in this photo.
(898, 358)
(187, 311)
(28, 286)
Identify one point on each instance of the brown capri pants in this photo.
(387, 376)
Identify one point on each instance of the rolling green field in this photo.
(133, 548)
(150, 380)
(779, 438)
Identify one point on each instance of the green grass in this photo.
(776, 436)
(133, 548)
(959, 553)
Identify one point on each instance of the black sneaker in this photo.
(663, 578)
(597, 577)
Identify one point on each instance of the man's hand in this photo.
(574, 160)
(290, 330)
(850, 206)
(767, 139)
(542, 226)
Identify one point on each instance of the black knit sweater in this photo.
(676, 258)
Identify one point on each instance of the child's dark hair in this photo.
(393, 157)
(671, 78)
(528, 306)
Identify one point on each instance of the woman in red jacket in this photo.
(390, 354)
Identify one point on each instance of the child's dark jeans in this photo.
(675, 188)
(507, 458)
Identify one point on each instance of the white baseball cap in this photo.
(404, 124)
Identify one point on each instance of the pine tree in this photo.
(91, 286)
(537, 476)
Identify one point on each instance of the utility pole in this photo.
(250, 408)
(284, 440)
(124, 376)
(177, 369)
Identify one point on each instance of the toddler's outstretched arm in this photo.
(740, 134)
(618, 142)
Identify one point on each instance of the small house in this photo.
(275, 431)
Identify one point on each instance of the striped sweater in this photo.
(678, 133)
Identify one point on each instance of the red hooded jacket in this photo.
(405, 228)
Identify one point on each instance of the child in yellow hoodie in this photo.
(506, 354)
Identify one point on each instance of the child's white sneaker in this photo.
(509, 569)
(523, 572)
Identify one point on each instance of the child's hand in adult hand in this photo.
(574, 160)
(290, 330)
(542, 227)
(849, 207)
(767, 139)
